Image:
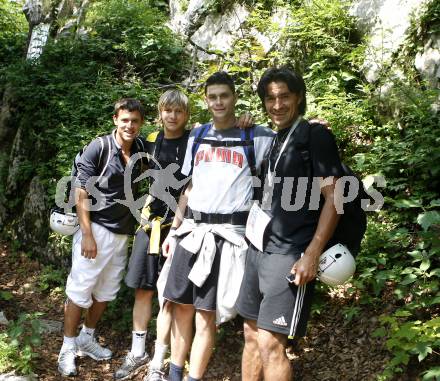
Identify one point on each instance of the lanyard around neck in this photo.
(271, 174)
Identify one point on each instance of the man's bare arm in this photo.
(88, 244)
(168, 245)
(306, 268)
(181, 206)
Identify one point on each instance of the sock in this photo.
(87, 333)
(160, 351)
(189, 378)
(176, 372)
(68, 343)
(138, 343)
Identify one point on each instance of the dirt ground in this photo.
(334, 350)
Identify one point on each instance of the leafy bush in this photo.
(66, 98)
(13, 31)
(18, 343)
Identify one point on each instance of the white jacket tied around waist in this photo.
(200, 240)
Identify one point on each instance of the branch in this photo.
(205, 50)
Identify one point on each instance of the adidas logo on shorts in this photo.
(280, 321)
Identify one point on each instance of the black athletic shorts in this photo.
(143, 268)
(267, 297)
(179, 289)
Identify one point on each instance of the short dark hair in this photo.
(129, 104)
(220, 78)
(293, 80)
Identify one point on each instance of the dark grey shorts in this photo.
(267, 297)
(179, 289)
(143, 268)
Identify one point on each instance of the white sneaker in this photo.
(66, 362)
(88, 346)
(131, 366)
(155, 375)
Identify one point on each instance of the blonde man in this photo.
(166, 147)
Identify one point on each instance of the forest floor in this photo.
(333, 350)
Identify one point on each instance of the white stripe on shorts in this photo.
(299, 301)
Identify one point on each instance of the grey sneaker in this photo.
(155, 375)
(66, 362)
(90, 347)
(131, 366)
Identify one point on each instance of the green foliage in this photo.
(18, 344)
(6, 295)
(65, 99)
(406, 338)
(137, 39)
(13, 31)
(119, 311)
(51, 278)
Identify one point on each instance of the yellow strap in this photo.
(155, 236)
(151, 138)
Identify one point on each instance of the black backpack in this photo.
(104, 158)
(353, 223)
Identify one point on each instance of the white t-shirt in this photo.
(221, 178)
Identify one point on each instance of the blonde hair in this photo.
(173, 97)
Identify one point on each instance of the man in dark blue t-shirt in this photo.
(99, 248)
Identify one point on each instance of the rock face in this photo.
(384, 22)
(210, 31)
(428, 61)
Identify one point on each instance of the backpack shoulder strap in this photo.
(151, 138)
(301, 142)
(104, 154)
(140, 144)
(201, 133)
(158, 137)
(247, 136)
(182, 147)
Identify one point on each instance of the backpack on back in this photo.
(62, 219)
(353, 223)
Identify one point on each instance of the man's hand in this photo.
(245, 121)
(88, 246)
(306, 268)
(169, 245)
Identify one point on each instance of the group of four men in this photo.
(218, 262)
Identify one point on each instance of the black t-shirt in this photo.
(166, 152)
(293, 223)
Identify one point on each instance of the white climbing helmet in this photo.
(336, 265)
(63, 223)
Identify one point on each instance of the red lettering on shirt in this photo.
(219, 154)
(237, 159)
(199, 157)
(209, 154)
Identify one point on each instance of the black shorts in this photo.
(143, 268)
(267, 297)
(179, 289)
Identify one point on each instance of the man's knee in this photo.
(250, 331)
(181, 310)
(271, 345)
(167, 308)
(205, 321)
(144, 295)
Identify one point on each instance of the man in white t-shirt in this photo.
(211, 236)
